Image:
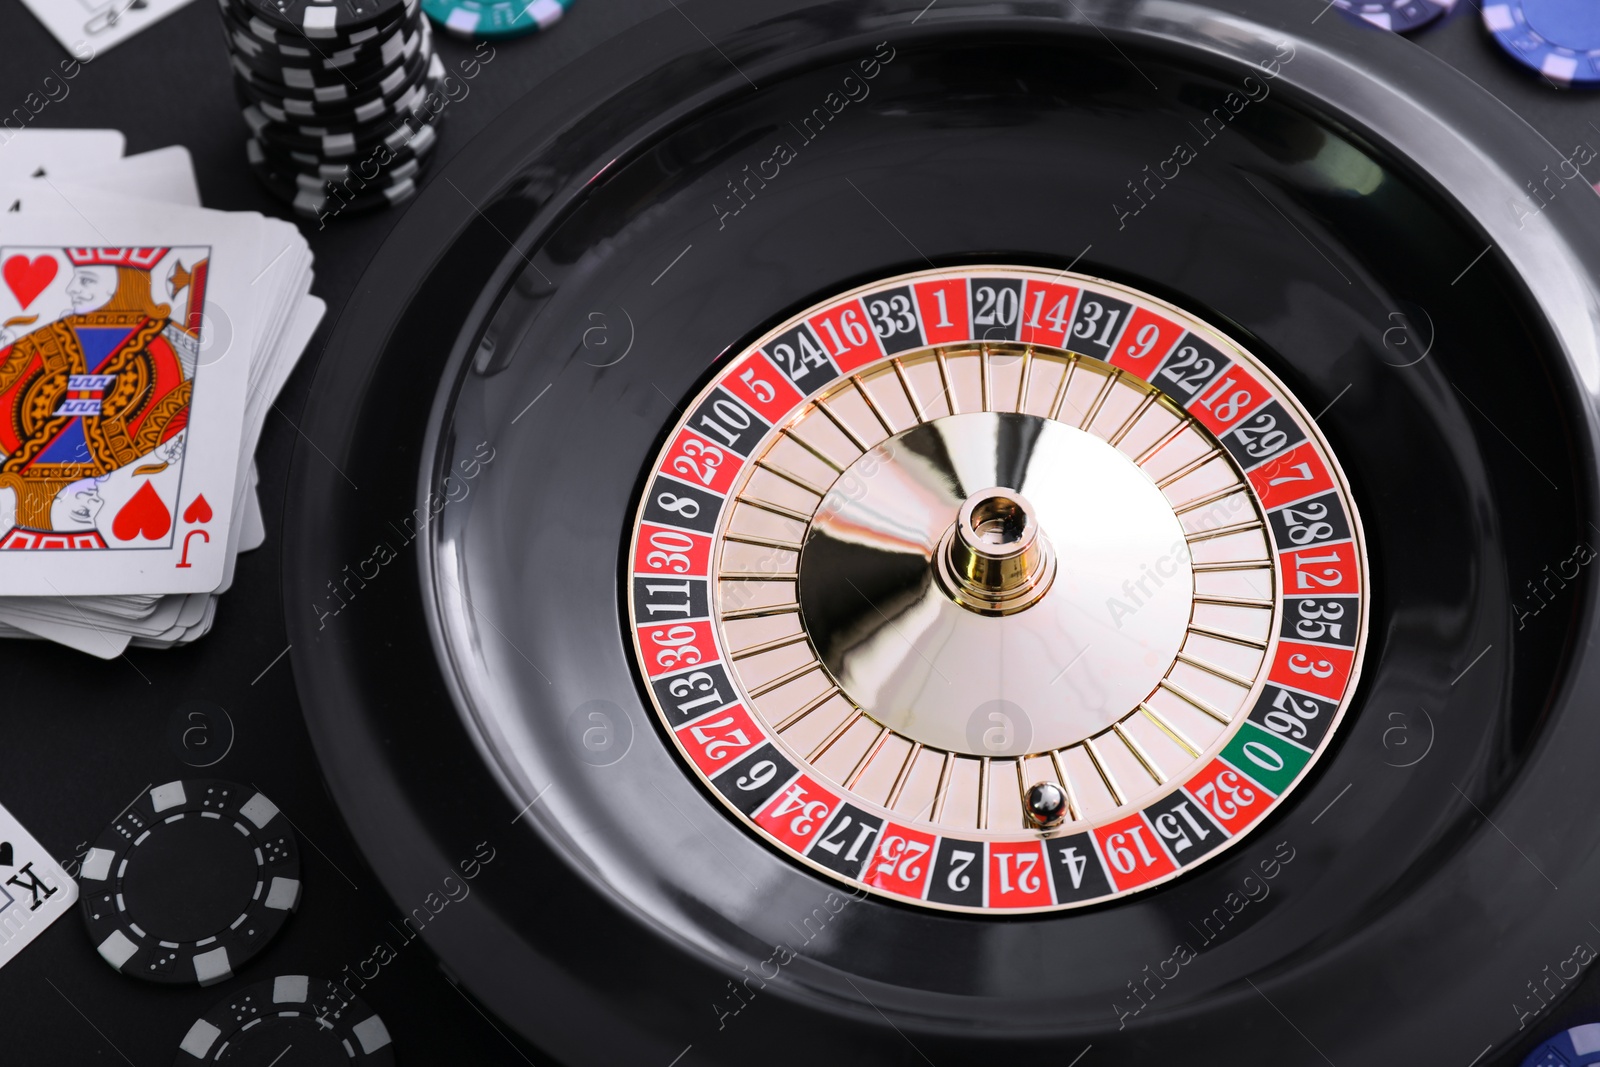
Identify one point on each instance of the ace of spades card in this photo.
(119, 427)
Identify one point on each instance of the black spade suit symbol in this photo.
(5, 853)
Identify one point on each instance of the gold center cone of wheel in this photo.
(981, 557)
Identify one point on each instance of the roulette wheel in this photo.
(917, 533)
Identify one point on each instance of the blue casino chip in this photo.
(1401, 16)
(1559, 39)
(1577, 1047)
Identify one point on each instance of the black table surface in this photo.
(82, 737)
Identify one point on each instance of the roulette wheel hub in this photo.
(993, 558)
(454, 700)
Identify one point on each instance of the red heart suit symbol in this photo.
(145, 515)
(27, 278)
(199, 510)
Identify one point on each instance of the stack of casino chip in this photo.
(343, 98)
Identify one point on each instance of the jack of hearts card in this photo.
(112, 477)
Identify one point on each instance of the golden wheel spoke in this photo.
(1141, 755)
(761, 611)
(1231, 638)
(1100, 398)
(983, 793)
(944, 383)
(1061, 389)
(1132, 420)
(867, 757)
(806, 709)
(1162, 442)
(841, 426)
(762, 542)
(784, 679)
(1022, 385)
(1189, 467)
(905, 773)
(776, 509)
(1193, 701)
(942, 790)
(1232, 601)
(792, 479)
(872, 405)
(769, 646)
(1209, 499)
(1224, 531)
(1105, 772)
(911, 394)
(1212, 669)
(812, 449)
(1074, 809)
(1170, 730)
(833, 737)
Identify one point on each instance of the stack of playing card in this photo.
(142, 341)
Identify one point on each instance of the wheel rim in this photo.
(341, 702)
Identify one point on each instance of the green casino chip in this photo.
(495, 18)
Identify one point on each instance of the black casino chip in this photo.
(323, 76)
(383, 167)
(288, 1021)
(312, 155)
(294, 42)
(422, 141)
(313, 196)
(293, 77)
(349, 126)
(412, 130)
(340, 146)
(191, 881)
(284, 104)
(401, 93)
(296, 79)
(320, 20)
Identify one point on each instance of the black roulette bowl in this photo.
(503, 378)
